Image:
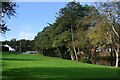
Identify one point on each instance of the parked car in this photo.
(30, 52)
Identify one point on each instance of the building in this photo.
(10, 48)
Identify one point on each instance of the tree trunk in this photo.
(72, 35)
(76, 57)
(111, 53)
(20, 47)
(78, 50)
(117, 57)
(93, 56)
(117, 60)
(78, 54)
(72, 56)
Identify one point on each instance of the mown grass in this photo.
(38, 67)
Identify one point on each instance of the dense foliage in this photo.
(59, 38)
(79, 31)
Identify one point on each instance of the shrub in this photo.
(84, 60)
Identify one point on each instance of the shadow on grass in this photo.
(16, 59)
(61, 73)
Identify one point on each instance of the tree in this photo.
(58, 39)
(81, 41)
(68, 16)
(61, 42)
(43, 41)
(6, 9)
(104, 26)
(112, 13)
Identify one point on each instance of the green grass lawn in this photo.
(38, 67)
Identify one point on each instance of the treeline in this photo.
(20, 45)
(80, 30)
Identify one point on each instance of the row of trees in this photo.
(79, 30)
(20, 45)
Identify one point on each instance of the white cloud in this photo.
(26, 32)
(26, 35)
